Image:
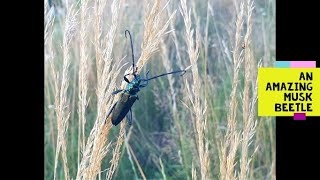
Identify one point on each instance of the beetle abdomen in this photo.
(122, 108)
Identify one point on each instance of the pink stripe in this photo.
(299, 116)
(302, 64)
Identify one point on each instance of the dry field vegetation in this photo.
(202, 125)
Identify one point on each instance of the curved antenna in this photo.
(125, 33)
(183, 71)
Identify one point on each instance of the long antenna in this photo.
(125, 33)
(184, 71)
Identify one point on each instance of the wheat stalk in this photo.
(61, 103)
(154, 30)
(198, 105)
(231, 140)
(248, 104)
(96, 147)
(83, 77)
(116, 153)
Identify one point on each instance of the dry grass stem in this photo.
(231, 140)
(249, 122)
(83, 77)
(61, 102)
(195, 97)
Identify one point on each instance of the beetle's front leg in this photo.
(125, 78)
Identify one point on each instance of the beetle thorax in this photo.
(133, 87)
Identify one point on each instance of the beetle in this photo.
(129, 95)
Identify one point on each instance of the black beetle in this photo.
(129, 95)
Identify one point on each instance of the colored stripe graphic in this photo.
(282, 64)
(303, 64)
(299, 116)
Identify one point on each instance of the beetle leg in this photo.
(135, 96)
(147, 74)
(114, 105)
(126, 79)
(129, 117)
(145, 83)
(117, 91)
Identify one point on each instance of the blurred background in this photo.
(202, 125)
